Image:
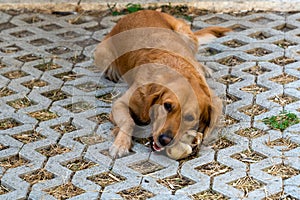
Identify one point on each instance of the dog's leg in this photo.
(125, 124)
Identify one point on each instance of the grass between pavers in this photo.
(281, 121)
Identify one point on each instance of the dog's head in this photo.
(174, 108)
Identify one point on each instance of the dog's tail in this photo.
(206, 35)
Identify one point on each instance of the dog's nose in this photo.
(165, 139)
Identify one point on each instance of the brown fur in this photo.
(135, 105)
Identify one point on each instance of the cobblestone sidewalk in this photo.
(54, 129)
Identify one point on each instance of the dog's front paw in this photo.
(121, 146)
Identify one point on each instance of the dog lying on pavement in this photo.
(155, 54)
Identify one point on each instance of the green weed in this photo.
(282, 121)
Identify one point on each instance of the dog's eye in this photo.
(189, 118)
(168, 107)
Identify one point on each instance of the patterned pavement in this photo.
(54, 128)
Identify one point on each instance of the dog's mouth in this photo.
(156, 147)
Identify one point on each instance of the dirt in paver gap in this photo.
(258, 52)
(53, 150)
(283, 99)
(21, 103)
(249, 156)
(37, 176)
(15, 74)
(43, 115)
(13, 162)
(108, 97)
(145, 167)
(283, 79)
(283, 171)
(79, 164)
(5, 92)
(285, 43)
(209, 195)
(29, 136)
(47, 66)
(247, 184)
(213, 169)
(64, 128)
(90, 139)
(3, 189)
(256, 70)
(67, 76)
(8, 123)
(176, 182)
(65, 191)
(2, 147)
(250, 132)
(101, 118)
(285, 143)
(282, 61)
(253, 110)
(106, 178)
(135, 193)
(56, 95)
(35, 83)
(280, 196)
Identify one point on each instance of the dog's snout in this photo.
(165, 139)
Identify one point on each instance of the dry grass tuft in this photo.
(247, 184)
(228, 120)
(258, 52)
(109, 97)
(13, 162)
(90, 139)
(222, 143)
(136, 193)
(5, 92)
(254, 89)
(250, 132)
(53, 150)
(3, 190)
(209, 195)
(282, 61)
(78, 165)
(284, 79)
(15, 74)
(146, 167)
(67, 76)
(231, 61)
(89, 86)
(21, 103)
(101, 118)
(79, 107)
(56, 95)
(47, 66)
(249, 156)
(280, 196)
(8, 123)
(284, 142)
(229, 79)
(28, 136)
(35, 83)
(256, 70)
(37, 176)
(43, 115)
(284, 171)
(64, 128)
(106, 178)
(65, 191)
(253, 110)
(176, 182)
(213, 169)
(283, 99)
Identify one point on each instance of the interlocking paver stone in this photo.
(263, 46)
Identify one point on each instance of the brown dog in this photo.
(155, 54)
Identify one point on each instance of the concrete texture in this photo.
(71, 91)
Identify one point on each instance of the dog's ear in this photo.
(210, 116)
(143, 99)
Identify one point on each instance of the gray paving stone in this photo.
(48, 32)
